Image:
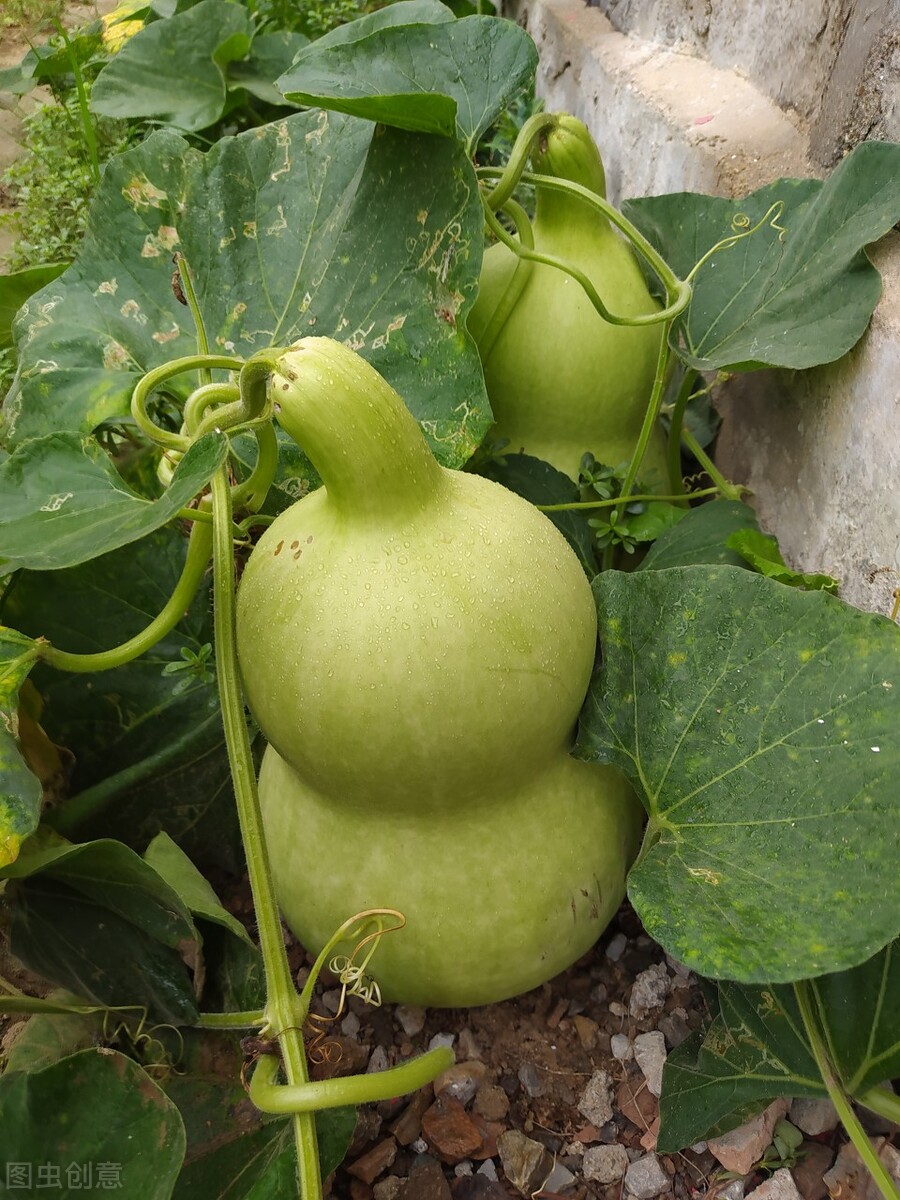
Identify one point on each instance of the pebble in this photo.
(488, 1169)
(532, 1080)
(674, 1027)
(378, 1061)
(350, 1025)
(410, 1018)
(462, 1168)
(596, 1099)
(850, 1180)
(491, 1102)
(408, 1125)
(587, 1030)
(332, 999)
(388, 1188)
(440, 1040)
(373, 1163)
(605, 1164)
(678, 968)
(617, 1009)
(427, 1182)
(599, 993)
(645, 1178)
(558, 1180)
(733, 1190)
(649, 991)
(813, 1161)
(419, 1146)
(650, 1053)
(450, 1131)
(468, 1045)
(814, 1116)
(621, 1046)
(461, 1081)
(739, 1149)
(616, 947)
(779, 1186)
(526, 1163)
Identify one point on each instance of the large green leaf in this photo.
(759, 725)
(20, 789)
(149, 751)
(63, 502)
(798, 291)
(756, 1049)
(451, 78)
(315, 224)
(174, 70)
(92, 1122)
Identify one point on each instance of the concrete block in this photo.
(821, 451)
(664, 120)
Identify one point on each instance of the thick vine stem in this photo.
(195, 564)
(617, 501)
(524, 268)
(511, 174)
(272, 1097)
(838, 1096)
(145, 387)
(651, 416)
(283, 1014)
(673, 449)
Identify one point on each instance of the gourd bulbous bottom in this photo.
(498, 897)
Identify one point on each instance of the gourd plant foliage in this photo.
(754, 713)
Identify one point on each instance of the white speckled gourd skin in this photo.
(415, 644)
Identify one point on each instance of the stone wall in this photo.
(722, 96)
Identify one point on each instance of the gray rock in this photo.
(674, 1027)
(558, 1180)
(649, 991)
(378, 1061)
(388, 1188)
(779, 1186)
(488, 1169)
(350, 1025)
(526, 1163)
(599, 993)
(532, 1080)
(733, 1190)
(813, 1116)
(645, 1178)
(410, 1018)
(332, 999)
(616, 947)
(461, 1081)
(462, 1168)
(468, 1045)
(650, 1054)
(605, 1164)
(442, 1039)
(596, 1099)
(621, 1046)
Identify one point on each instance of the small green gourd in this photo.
(562, 380)
(416, 644)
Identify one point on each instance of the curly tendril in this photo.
(740, 223)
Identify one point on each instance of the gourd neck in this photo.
(360, 436)
(567, 151)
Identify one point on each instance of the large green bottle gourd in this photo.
(415, 644)
(561, 380)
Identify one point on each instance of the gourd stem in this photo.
(839, 1097)
(271, 1097)
(147, 385)
(283, 1014)
(616, 501)
(673, 450)
(650, 416)
(731, 491)
(360, 436)
(251, 494)
(511, 175)
(230, 1020)
(195, 564)
(516, 286)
